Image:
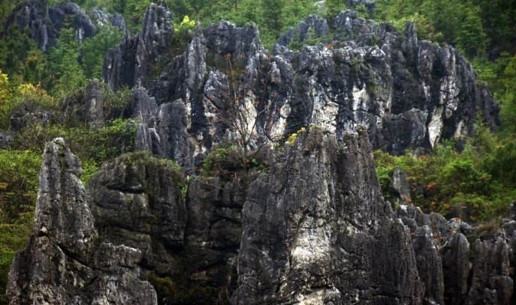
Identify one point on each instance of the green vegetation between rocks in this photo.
(477, 183)
(18, 190)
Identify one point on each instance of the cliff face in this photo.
(44, 22)
(67, 261)
(312, 228)
(309, 225)
(408, 93)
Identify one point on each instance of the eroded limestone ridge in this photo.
(218, 84)
(409, 93)
(66, 261)
(44, 22)
(308, 227)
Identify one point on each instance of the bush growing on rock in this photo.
(18, 190)
(476, 184)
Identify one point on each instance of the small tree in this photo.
(94, 49)
(272, 13)
(241, 117)
(64, 62)
(333, 7)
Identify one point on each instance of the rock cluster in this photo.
(132, 61)
(44, 22)
(29, 113)
(307, 225)
(66, 260)
(312, 228)
(409, 93)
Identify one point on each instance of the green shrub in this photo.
(89, 144)
(456, 22)
(18, 191)
(476, 184)
(12, 95)
(222, 159)
(462, 175)
(18, 182)
(148, 160)
(501, 163)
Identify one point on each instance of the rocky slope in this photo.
(44, 22)
(310, 228)
(219, 84)
(409, 93)
(304, 224)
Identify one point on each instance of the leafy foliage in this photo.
(18, 182)
(474, 26)
(97, 145)
(500, 76)
(64, 62)
(18, 190)
(95, 48)
(222, 159)
(476, 184)
(185, 25)
(11, 95)
(21, 58)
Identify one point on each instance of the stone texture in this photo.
(408, 93)
(29, 113)
(6, 139)
(66, 261)
(401, 185)
(103, 18)
(313, 232)
(44, 22)
(309, 226)
(86, 106)
(136, 200)
(131, 62)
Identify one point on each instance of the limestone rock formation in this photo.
(103, 18)
(313, 228)
(132, 61)
(302, 221)
(29, 113)
(86, 106)
(5, 139)
(66, 260)
(309, 228)
(401, 185)
(409, 93)
(44, 22)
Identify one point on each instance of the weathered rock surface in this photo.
(309, 225)
(408, 93)
(44, 22)
(312, 228)
(132, 61)
(458, 270)
(103, 18)
(66, 261)
(29, 113)
(86, 106)
(6, 139)
(400, 185)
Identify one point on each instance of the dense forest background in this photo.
(475, 180)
